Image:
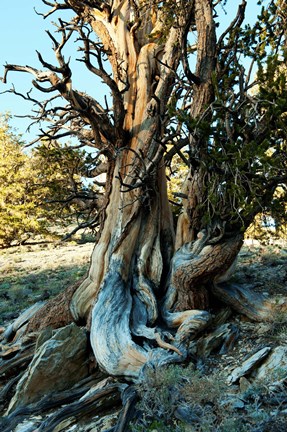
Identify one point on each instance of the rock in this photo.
(185, 414)
(58, 364)
(248, 365)
(238, 404)
(44, 335)
(277, 361)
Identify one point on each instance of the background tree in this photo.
(144, 278)
(21, 215)
(71, 199)
(43, 190)
(237, 140)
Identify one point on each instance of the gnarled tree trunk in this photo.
(128, 268)
(123, 293)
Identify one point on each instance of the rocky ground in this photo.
(236, 376)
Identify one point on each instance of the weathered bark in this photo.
(248, 302)
(204, 251)
(12, 331)
(55, 313)
(196, 265)
(87, 400)
(16, 364)
(194, 206)
(129, 398)
(126, 276)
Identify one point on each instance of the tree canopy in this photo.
(20, 195)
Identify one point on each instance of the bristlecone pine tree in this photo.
(177, 88)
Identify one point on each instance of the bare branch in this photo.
(118, 105)
(193, 79)
(235, 23)
(176, 149)
(26, 97)
(99, 169)
(41, 76)
(55, 6)
(92, 223)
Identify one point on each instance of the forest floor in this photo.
(38, 272)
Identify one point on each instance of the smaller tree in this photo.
(21, 215)
(41, 190)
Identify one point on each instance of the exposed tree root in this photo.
(85, 400)
(7, 388)
(246, 301)
(196, 264)
(55, 313)
(129, 399)
(104, 396)
(17, 363)
(131, 329)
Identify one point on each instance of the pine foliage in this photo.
(39, 190)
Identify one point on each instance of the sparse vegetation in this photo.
(182, 399)
(278, 327)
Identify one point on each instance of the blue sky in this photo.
(22, 32)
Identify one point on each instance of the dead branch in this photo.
(118, 106)
(55, 7)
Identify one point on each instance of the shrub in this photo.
(209, 404)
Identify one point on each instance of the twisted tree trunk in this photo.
(128, 268)
(134, 287)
